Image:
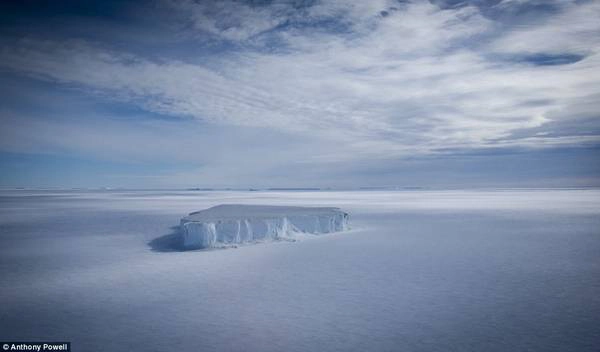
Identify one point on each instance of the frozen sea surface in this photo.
(510, 270)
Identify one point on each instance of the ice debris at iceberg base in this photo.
(231, 224)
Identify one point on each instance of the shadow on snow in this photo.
(170, 242)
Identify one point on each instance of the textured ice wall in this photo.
(231, 224)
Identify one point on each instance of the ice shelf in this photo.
(229, 224)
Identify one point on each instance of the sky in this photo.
(314, 93)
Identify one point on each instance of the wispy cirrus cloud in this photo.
(379, 79)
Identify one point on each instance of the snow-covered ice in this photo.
(240, 223)
(460, 270)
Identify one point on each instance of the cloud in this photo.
(377, 79)
(573, 29)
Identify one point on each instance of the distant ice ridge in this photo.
(229, 224)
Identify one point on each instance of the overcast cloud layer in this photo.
(289, 93)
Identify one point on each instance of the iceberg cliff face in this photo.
(231, 224)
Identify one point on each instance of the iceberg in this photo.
(230, 224)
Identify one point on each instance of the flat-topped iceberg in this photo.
(229, 224)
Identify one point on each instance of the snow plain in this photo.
(419, 271)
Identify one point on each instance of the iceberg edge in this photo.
(226, 225)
